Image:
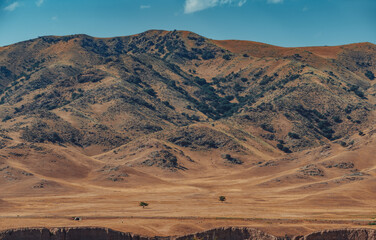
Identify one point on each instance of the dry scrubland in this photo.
(91, 127)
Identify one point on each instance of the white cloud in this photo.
(54, 18)
(275, 1)
(145, 6)
(12, 6)
(39, 3)
(192, 6)
(242, 2)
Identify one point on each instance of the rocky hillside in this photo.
(91, 127)
(151, 98)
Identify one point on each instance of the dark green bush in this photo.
(6, 118)
(208, 55)
(265, 80)
(326, 129)
(293, 135)
(200, 81)
(337, 119)
(226, 57)
(267, 127)
(370, 75)
(168, 104)
(283, 148)
(150, 91)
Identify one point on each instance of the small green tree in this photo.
(144, 204)
(222, 198)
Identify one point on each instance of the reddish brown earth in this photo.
(91, 127)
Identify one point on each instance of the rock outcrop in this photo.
(343, 234)
(231, 233)
(69, 234)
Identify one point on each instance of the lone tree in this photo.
(144, 204)
(222, 198)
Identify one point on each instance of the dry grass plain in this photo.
(275, 198)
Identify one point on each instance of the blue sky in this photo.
(278, 22)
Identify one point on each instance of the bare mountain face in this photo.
(176, 104)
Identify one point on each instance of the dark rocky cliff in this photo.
(217, 234)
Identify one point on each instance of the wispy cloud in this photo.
(192, 6)
(12, 6)
(275, 1)
(241, 2)
(54, 18)
(145, 6)
(39, 3)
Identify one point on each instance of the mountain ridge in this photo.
(186, 32)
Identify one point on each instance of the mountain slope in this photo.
(177, 113)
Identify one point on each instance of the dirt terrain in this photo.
(91, 127)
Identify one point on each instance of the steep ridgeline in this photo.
(181, 90)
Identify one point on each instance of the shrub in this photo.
(168, 104)
(76, 95)
(293, 135)
(267, 127)
(286, 150)
(238, 88)
(356, 90)
(194, 118)
(56, 138)
(38, 96)
(359, 93)
(150, 91)
(229, 98)
(231, 159)
(266, 79)
(134, 80)
(200, 81)
(348, 109)
(337, 119)
(226, 57)
(6, 118)
(283, 148)
(370, 75)
(208, 55)
(143, 204)
(222, 198)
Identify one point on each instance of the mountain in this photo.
(175, 110)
